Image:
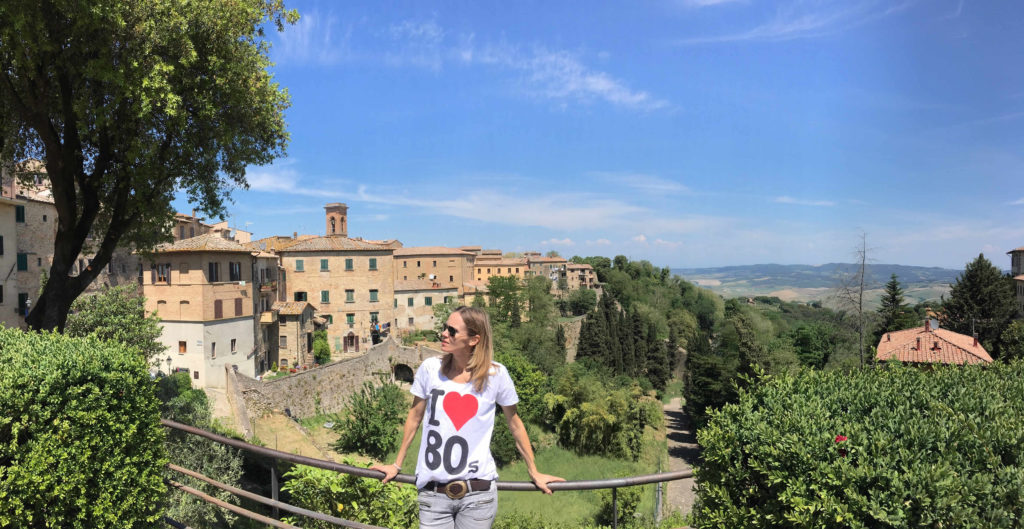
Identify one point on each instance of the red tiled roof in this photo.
(923, 345)
(579, 266)
(533, 259)
(291, 308)
(209, 242)
(334, 243)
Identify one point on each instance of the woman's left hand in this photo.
(542, 480)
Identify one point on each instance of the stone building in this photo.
(552, 268)
(580, 276)
(486, 268)
(188, 226)
(445, 267)
(350, 281)
(415, 300)
(207, 291)
(10, 314)
(1017, 271)
(295, 333)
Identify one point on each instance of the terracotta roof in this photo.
(291, 308)
(546, 259)
(579, 266)
(334, 243)
(1021, 249)
(430, 250)
(501, 262)
(924, 345)
(271, 244)
(209, 242)
(419, 284)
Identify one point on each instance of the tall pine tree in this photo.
(981, 300)
(896, 314)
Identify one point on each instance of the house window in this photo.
(447, 299)
(428, 301)
(1, 244)
(329, 318)
(396, 303)
(373, 263)
(1, 294)
(234, 271)
(517, 270)
(348, 264)
(325, 296)
(22, 303)
(181, 232)
(323, 265)
(284, 342)
(238, 306)
(412, 321)
(233, 345)
(163, 273)
(435, 262)
(19, 213)
(451, 279)
(214, 275)
(182, 347)
(298, 265)
(350, 319)
(373, 296)
(22, 262)
(488, 270)
(218, 309)
(417, 264)
(213, 349)
(405, 264)
(350, 296)
(410, 301)
(374, 317)
(300, 296)
(195, 375)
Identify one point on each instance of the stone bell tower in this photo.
(337, 219)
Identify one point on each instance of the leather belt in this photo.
(457, 489)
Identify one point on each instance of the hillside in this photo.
(817, 282)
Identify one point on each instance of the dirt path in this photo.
(682, 453)
(281, 433)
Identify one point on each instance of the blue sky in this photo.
(686, 132)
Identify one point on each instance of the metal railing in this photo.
(613, 484)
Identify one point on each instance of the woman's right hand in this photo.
(390, 471)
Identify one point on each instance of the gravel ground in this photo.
(683, 453)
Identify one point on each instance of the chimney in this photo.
(975, 339)
(918, 343)
(888, 337)
(295, 235)
(193, 213)
(927, 325)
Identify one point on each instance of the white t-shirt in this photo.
(457, 424)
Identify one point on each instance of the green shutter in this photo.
(19, 213)
(22, 262)
(373, 263)
(325, 296)
(298, 265)
(323, 265)
(348, 264)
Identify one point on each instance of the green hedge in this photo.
(922, 448)
(80, 440)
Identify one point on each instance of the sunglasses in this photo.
(452, 331)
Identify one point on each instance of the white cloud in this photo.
(599, 242)
(667, 244)
(1019, 202)
(799, 19)
(643, 182)
(802, 202)
(558, 242)
(313, 39)
(640, 238)
(420, 43)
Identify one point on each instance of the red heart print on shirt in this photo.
(460, 408)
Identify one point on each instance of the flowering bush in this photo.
(886, 447)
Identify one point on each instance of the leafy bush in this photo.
(503, 445)
(628, 500)
(353, 498)
(80, 440)
(887, 447)
(118, 314)
(321, 349)
(371, 422)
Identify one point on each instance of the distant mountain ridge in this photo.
(814, 282)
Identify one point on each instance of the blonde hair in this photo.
(481, 362)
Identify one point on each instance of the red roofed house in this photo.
(1017, 271)
(924, 345)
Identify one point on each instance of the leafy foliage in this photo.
(80, 440)
(370, 426)
(581, 301)
(983, 300)
(321, 347)
(118, 314)
(181, 403)
(350, 497)
(127, 103)
(885, 447)
(896, 314)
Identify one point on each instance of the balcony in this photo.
(268, 286)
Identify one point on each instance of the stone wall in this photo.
(325, 389)
(572, 338)
(237, 402)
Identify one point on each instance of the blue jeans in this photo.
(475, 510)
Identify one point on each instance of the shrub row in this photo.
(887, 447)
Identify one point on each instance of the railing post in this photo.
(273, 485)
(615, 508)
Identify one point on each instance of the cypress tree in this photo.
(896, 314)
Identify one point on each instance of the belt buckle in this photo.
(456, 489)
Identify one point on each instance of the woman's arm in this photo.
(518, 429)
(412, 423)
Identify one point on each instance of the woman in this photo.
(457, 392)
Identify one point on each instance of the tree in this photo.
(118, 314)
(552, 253)
(582, 301)
(1012, 341)
(896, 314)
(127, 102)
(321, 347)
(981, 300)
(370, 426)
(850, 293)
(506, 298)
